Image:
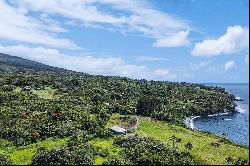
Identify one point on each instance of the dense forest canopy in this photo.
(39, 101)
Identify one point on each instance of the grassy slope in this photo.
(23, 155)
(163, 131)
(201, 141)
(106, 145)
(156, 129)
(46, 93)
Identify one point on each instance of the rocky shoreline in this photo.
(189, 121)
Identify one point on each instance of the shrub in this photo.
(79, 155)
(147, 151)
(5, 160)
(237, 161)
(117, 161)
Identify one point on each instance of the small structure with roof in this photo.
(26, 88)
(215, 144)
(118, 130)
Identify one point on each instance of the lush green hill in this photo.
(201, 141)
(21, 63)
(39, 103)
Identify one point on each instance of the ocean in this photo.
(234, 125)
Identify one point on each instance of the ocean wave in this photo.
(239, 109)
(225, 113)
(191, 121)
(228, 119)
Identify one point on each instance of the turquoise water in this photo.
(234, 125)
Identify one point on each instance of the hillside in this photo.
(51, 115)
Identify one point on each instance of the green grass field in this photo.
(202, 148)
(23, 155)
(105, 145)
(46, 93)
(162, 131)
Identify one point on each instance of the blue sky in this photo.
(170, 40)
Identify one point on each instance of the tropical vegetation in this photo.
(40, 102)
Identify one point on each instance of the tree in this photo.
(73, 155)
(5, 160)
(189, 146)
(173, 138)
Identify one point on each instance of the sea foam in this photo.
(239, 109)
(228, 119)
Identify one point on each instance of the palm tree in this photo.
(173, 138)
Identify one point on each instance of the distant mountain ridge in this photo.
(29, 64)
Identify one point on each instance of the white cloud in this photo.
(130, 16)
(198, 66)
(234, 40)
(150, 58)
(221, 69)
(178, 39)
(16, 25)
(163, 73)
(86, 63)
(229, 66)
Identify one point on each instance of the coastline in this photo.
(236, 129)
(189, 121)
(240, 109)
